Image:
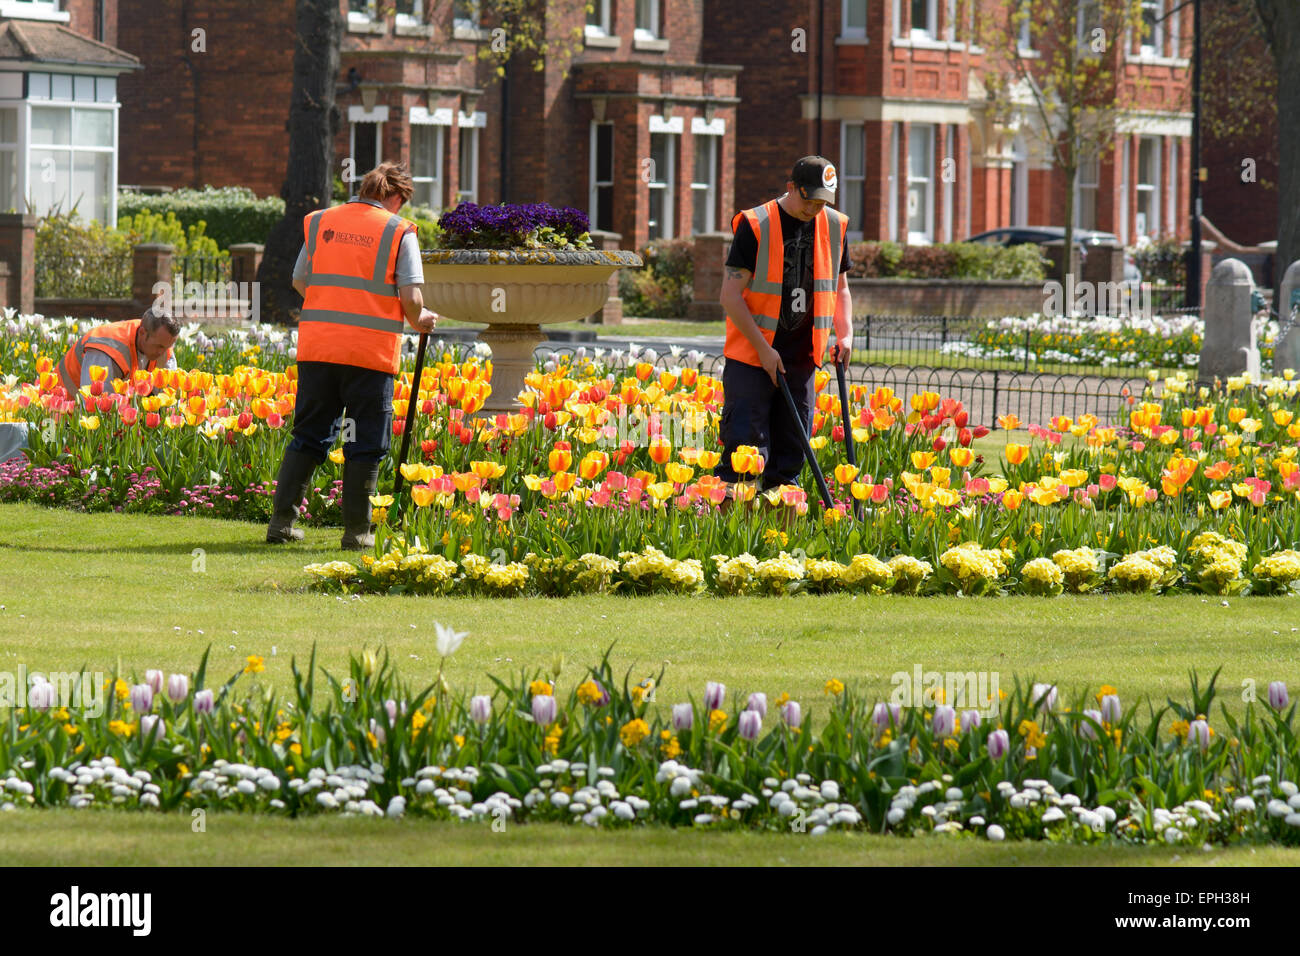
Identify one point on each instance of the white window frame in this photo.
(464, 24)
(667, 228)
(594, 184)
(948, 146)
(1171, 217)
(414, 18)
(34, 10)
(441, 120)
(894, 154)
(1152, 46)
(1153, 188)
(468, 172)
(950, 21)
(1125, 164)
(23, 148)
(709, 188)
(931, 32)
(604, 14)
(926, 131)
(369, 15)
(853, 33)
(856, 216)
(1082, 185)
(652, 32)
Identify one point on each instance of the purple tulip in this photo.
(142, 698)
(152, 725)
(1278, 698)
(757, 703)
(155, 680)
(970, 719)
(41, 696)
(885, 714)
(1111, 711)
(204, 702)
(480, 709)
(1087, 729)
(683, 716)
(999, 743)
(545, 709)
(714, 694)
(178, 688)
(748, 724)
(1199, 732)
(1043, 696)
(390, 707)
(944, 721)
(792, 714)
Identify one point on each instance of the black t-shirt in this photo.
(793, 339)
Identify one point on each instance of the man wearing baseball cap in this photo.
(784, 288)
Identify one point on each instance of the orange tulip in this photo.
(564, 480)
(592, 464)
(559, 459)
(1218, 470)
(845, 474)
(961, 457)
(661, 450)
(709, 459)
(1009, 422)
(1016, 454)
(487, 470)
(1011, 499)
(422, 495)
(922, 460)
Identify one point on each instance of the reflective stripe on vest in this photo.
(116, 347)
(352, 313)
(764, 291)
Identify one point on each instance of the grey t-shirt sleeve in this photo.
(94, 358)
(410, 269)
(300, 267)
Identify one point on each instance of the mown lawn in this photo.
(76, 838)
(103, 591)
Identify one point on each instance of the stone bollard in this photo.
(1286, 350)
(18, 251)
(1228, 348)
(1054, 252)
(708, 257)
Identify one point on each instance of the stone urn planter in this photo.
(515, 292)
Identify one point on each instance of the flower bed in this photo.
(609, 460)
(1026, 765)
(1169, 342)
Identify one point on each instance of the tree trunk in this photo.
(1282, 27)
(313, 121)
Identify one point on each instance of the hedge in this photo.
(952, 260)
(232, 214)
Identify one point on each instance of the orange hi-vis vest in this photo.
(763, 296)
(116, 339)
(352, 314)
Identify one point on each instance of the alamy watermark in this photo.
(961, 690)
(80, 691)
(209, 300)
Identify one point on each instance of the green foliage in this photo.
(426, 221)
(76, 258)
(1163, 261)
(231, 214)
(662, 288)
(150, 227)
(952, 260)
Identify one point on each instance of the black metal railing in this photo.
(201, 268)
(90, 276)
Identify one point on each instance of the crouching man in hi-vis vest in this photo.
(121, 348)
(785, 286)
(359, 273)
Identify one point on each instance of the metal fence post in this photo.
(993, 416)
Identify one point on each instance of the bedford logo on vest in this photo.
(209, 300)
(348, 238)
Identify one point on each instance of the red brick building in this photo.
(639, 129)
(891, 91)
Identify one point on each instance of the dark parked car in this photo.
(1083, 238)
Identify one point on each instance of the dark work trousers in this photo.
(356, 401)
(754, 412)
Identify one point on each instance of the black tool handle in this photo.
(803, 437)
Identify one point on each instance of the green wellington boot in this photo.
(360, 478)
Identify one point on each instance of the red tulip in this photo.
(152, 420)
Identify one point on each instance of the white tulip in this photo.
(449, 639)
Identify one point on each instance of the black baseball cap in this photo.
(815, 177)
